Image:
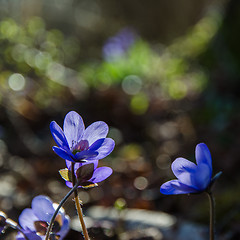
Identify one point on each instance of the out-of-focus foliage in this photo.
(172, 72)
(35, 63)
(42, 72)
(159, 100)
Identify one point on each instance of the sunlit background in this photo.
(164, 75)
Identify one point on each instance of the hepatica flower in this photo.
(87, 174)
(34, 221)
(77, 144)
(191, 177)
(118, 45)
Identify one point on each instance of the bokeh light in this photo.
(162, 85)
(16, 82)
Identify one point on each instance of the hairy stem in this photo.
(57, 210)
(211, 216)
(78, 206)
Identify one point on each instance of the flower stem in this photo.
(78, 206)
(211, 215)
(57, 210)
(14, 225)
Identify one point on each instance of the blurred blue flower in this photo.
(86, 173)
(191, 177)
(77, 144)
(34, 221)
(118, 45)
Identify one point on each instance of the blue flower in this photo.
(191, 177)
(87, 174)
(34, 221)
(117, 46)
(77, 144)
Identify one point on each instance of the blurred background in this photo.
(164, 75)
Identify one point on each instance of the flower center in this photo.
(42, 226)
(80, 146)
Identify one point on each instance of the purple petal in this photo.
(43, 208)
(181, 165)
(30, 236)
(65, 227)
(192, 175)
(103, 146)
(86, 154)
(183, 170)
(73, 128)
(176, 187)
(203, 155)
(101, 174)
(202, 177)
(96, 145)
(68, 164)
(27, 218)
(95, 131)
(58, 135)
(69, 184)
(62, 153)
